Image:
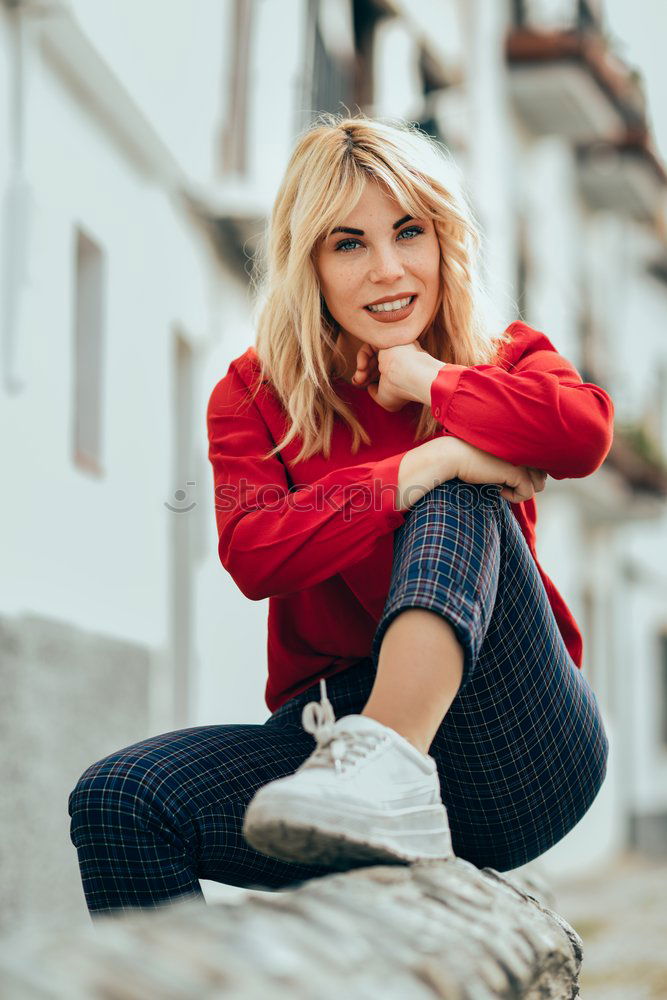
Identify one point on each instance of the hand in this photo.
(397, 375)
(367, 366)
(472, 465)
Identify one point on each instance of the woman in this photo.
(376, 457)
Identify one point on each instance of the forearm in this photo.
(545, 419)
(421, 469)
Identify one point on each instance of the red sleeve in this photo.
(274, 540)
(541, 413)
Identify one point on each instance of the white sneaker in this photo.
(365, 794)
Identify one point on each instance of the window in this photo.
(366, 15)
(330, 60)
(184, 519)
(662, 688)
(235, 135)
(88, 353)
(434, 85)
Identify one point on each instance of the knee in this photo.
(472, 506)
(112, 793)
(484, 498)
(99, 796)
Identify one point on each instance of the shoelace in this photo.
(338, 748)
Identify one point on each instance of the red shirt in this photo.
(316, 537)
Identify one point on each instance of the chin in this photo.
(405, 336)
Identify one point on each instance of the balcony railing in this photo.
(624, 175)
(558, 15)
(565, 79)
(638, 459)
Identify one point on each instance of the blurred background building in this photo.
(141, 146)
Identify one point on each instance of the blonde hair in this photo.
(324, 179)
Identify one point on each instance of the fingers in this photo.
(518, 484)
(367, 365)
(362, 364)
(539, 478)
(523, 482)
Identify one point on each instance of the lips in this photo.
(390, 298)
(392, 315)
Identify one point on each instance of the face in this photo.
(378, 252)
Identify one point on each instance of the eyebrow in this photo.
(360, 232)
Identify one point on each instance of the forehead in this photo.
(375, 200)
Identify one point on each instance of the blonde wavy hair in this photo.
(296, 335)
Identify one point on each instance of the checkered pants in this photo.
(521, 753)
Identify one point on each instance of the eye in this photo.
(344, 245)
(417, 230)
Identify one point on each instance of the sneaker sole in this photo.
(402, 837)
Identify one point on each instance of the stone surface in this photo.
(431, 929)
(69, 697)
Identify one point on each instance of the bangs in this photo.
(349, 189)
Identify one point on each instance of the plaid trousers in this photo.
(521, 753)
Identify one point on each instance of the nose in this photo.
(386, 265)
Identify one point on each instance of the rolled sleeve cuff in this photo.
(443, 387)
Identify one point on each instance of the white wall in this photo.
(172, 59)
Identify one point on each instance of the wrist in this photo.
(424, 467)
(444, 457)
(424, 373)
